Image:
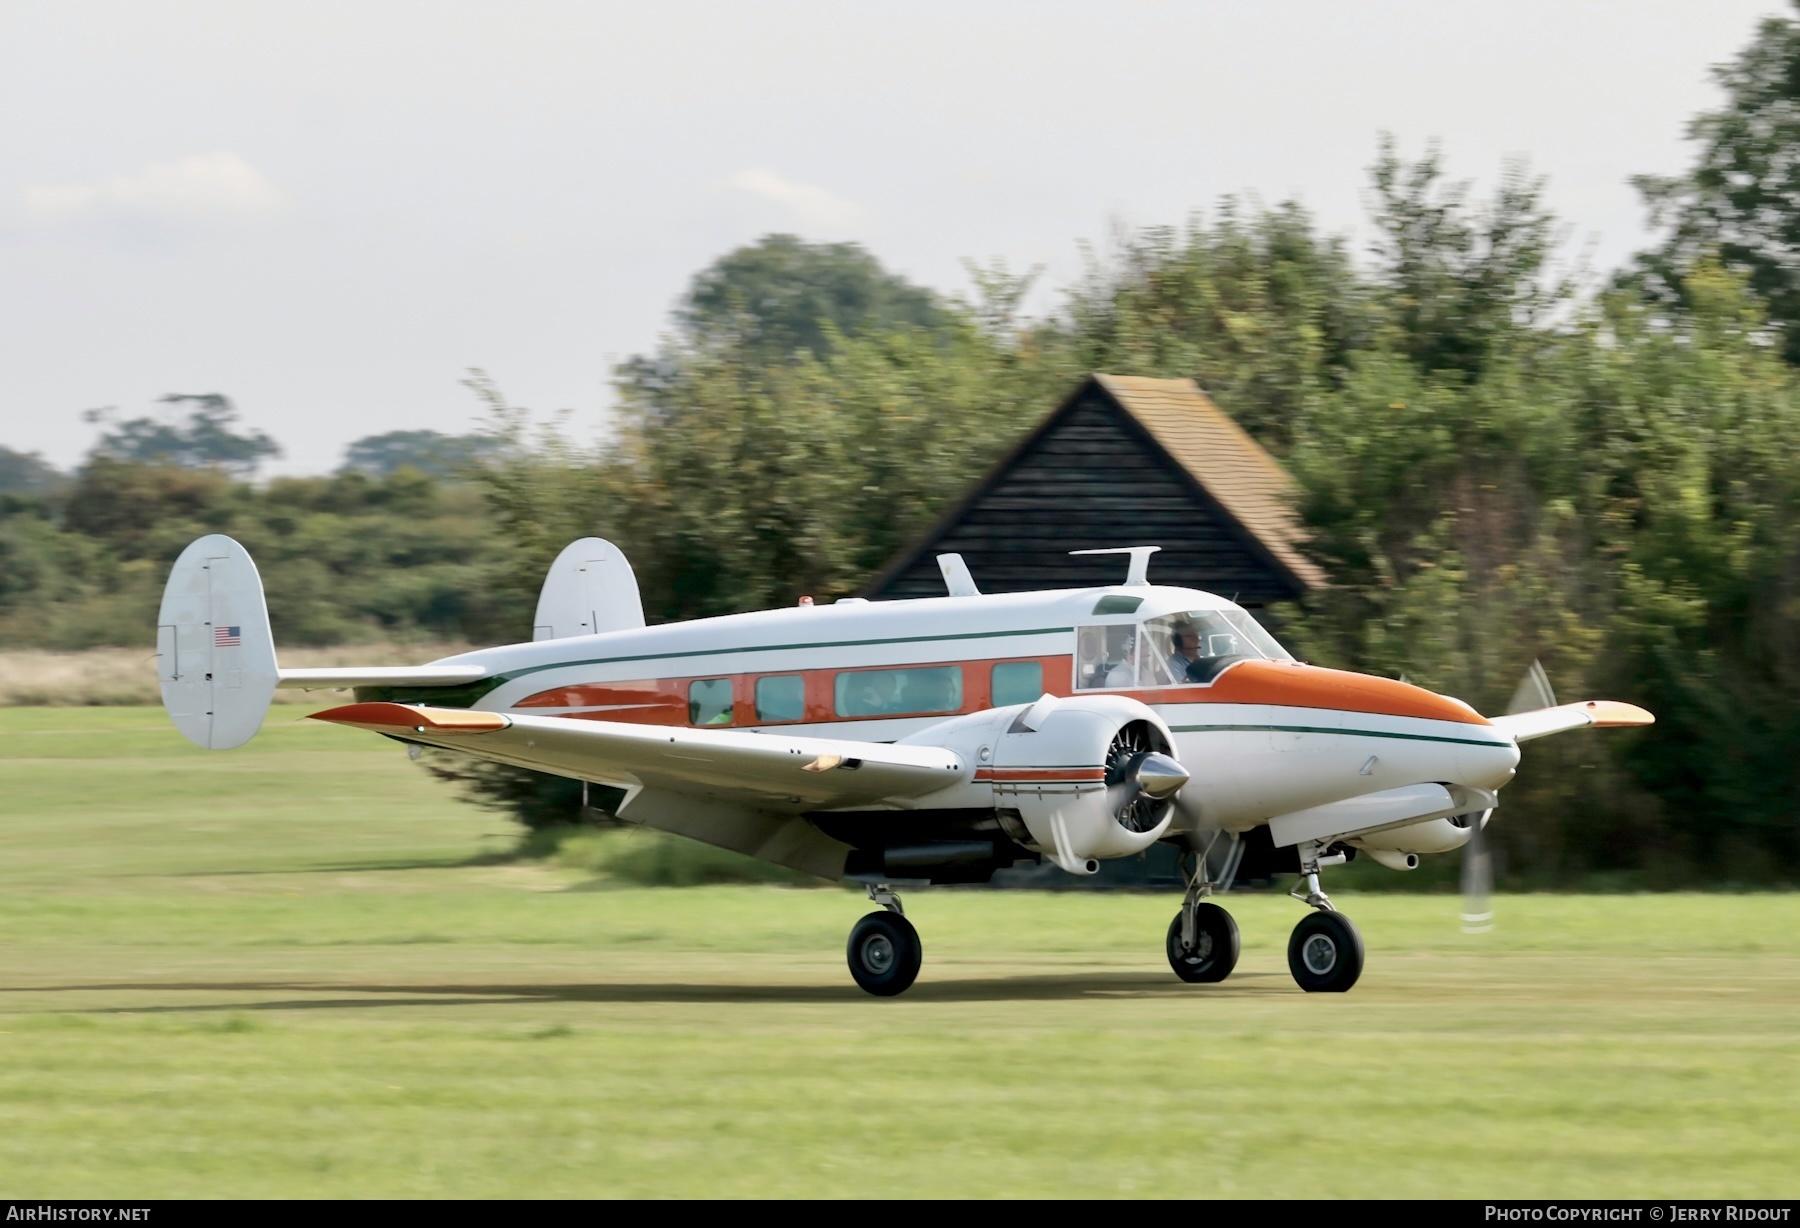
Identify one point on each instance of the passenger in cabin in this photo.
(1125, 672)
(930, 692)
(1090, 658)
(878, 692)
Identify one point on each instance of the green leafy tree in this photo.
(28, 473)
(1741, 196)
(207, 437)
(1255, 306)
(781, 296)
(431, 452)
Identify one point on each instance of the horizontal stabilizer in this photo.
(379, 675)
(401, 719)
(1595, 713)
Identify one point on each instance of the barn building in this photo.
(1123, 461)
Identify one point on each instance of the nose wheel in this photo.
(884, 950)
(1325, 951)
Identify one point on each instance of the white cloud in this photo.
(206, 185)
(808, 202)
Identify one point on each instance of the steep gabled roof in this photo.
(1222, 458)
(1062, 483)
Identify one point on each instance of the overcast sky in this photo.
(329, 211)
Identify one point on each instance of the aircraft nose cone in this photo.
(1159, 776)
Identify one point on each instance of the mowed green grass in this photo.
(284, 972)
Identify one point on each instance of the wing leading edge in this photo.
(768, 772)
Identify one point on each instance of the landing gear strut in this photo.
(885, 951)
(1325, 952)
(1203, 939)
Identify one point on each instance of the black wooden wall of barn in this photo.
(1093, 479)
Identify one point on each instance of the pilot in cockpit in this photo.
(1187, 651)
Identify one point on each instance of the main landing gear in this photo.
(1203, 939)
(1325, 952)
(884, 951)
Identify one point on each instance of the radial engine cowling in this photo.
(1090, 777)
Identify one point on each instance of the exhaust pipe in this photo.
(1393, 860)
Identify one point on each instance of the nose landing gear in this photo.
(1325, 951)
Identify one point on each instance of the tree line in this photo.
(1502, 457)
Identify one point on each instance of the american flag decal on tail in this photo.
(228, 637)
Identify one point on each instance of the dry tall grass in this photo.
(120, 676)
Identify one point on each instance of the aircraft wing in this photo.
(1599, 713)
(763, 771)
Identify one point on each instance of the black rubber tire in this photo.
(885, 954)
(1216, 946)
(1325, 953)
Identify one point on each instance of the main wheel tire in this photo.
(1215, 950)
(1325, 953)
(885, 954)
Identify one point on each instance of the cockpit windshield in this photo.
(1198, 645)
(1173, 650)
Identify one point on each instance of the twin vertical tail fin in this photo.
(215, 656)
(216, 660)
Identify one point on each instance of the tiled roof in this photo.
(1220, 455)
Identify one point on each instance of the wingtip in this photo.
(385, 717)
(1614, 714)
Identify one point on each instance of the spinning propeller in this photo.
(1532, 694)
(1140, 780)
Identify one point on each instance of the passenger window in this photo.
(1016, 682)
(899, 692)
(1105, 657)
(709, 702)
(781, 699)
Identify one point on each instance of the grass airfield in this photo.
(285, 972)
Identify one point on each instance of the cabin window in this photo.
(900, 692)
(709, 702)
(781, 699)
(1016, 682)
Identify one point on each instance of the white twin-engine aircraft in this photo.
(903, 743)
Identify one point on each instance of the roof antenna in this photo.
(1139, 572)
(956, 576)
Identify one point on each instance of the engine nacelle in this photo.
(1088, 778)
(1074, 770)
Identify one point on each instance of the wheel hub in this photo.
(1319, 953)
(878, 953)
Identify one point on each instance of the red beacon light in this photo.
(806, 601)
